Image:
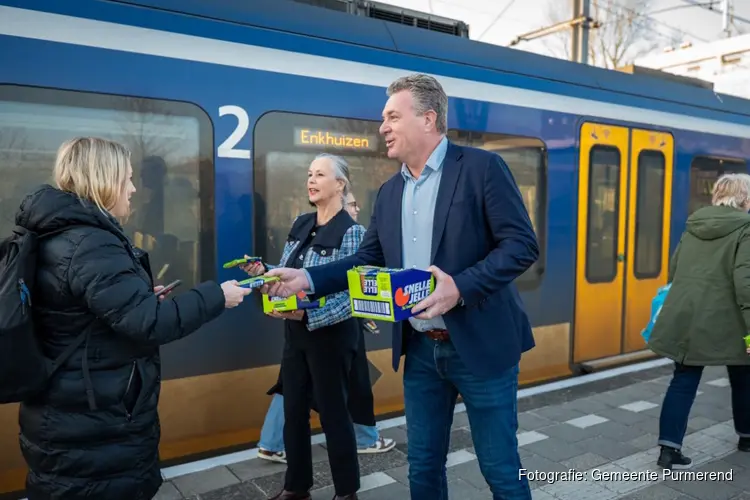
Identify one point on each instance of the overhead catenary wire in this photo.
(645, 15)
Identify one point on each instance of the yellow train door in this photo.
(602, 204)
(624, 192)
(647, 256)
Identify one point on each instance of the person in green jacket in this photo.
(706, 314)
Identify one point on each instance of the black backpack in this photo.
(24, 370)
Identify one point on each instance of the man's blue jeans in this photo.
(272, 433)
(434, 375)
(680, 396)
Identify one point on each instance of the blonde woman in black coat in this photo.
(94, 432)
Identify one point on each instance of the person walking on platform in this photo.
(320, 345)
(457, 212)
(706, 314)
(94, 432)
(361, 402)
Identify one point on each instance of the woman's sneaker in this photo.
(272, 456)
(672, 458)
(381, 446)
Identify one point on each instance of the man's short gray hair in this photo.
(340, 171)
(732, 190)
(428, 95)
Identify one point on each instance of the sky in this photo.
(501, 21)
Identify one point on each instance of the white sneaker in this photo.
(381, 446)
(272, 456)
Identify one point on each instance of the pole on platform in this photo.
(579, 49)
(725, 18)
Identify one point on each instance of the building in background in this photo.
(725, 63)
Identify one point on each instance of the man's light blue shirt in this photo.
(417, 213)
(419, 200)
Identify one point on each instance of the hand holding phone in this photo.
(253, 266)
(164, 291)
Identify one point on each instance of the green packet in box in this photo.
(293, 303)
(387, 294)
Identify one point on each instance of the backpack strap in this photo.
(87, 376)
(78, 341)
(58, 231)
(83, 336)
(68, 352)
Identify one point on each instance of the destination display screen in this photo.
(307, 137)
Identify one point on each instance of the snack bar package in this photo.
(387, 294)
(239, 262)
(293, 303)
(257, 282)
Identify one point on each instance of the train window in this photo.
(649, 215)
(704, 172)
(285, 145)
(604, 201)
(527, 158)
(171, 146)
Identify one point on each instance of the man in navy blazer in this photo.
(457, 212)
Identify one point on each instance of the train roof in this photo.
(357, 31)
(289, 16)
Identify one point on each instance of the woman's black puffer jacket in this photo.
(102, 443)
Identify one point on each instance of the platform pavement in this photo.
(608, 425)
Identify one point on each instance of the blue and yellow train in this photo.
(224, 103)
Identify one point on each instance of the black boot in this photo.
(672, 458)
(743, 444)
(288, 495)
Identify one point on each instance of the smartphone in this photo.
(169, 288)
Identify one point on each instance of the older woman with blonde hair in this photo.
(706, 314)
(94, 431)
(320, 345)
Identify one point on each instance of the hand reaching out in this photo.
(233, 294)
(291, 282)
(254, 268)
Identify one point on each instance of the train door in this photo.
(647, 256)
(622, 245)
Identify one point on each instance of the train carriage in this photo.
(224, 104)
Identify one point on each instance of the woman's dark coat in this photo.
(90, 278)
(707, 311)
(361, 399)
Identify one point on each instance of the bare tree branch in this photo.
(558, 44)
(626, 32)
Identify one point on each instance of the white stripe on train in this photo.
(91, 33)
